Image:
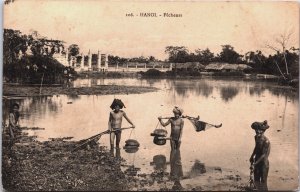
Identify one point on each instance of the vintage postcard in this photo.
(150, 95)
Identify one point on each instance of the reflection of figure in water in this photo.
(176, 127)
(160, 166)
(159, 162)
(259, 158)
(118, 153)
(176, 172)
(115, 122)
(197, 169)
(228, 93)
(13, 120)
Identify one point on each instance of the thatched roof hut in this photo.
(215, 66)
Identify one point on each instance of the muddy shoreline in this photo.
(9, 90)
(31, 165)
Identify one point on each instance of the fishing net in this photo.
(198, 125)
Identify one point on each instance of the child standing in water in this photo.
(13, 120)
(176, 127)
(259, 158)
(115, 122)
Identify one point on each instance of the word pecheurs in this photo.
(159, 15)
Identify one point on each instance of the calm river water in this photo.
(234, 103)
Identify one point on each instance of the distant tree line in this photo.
(18, 66)
(285, 62)
(114, 60)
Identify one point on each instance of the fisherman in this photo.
(13, 120)
(115, 122)
(259, 158)
(176, 127)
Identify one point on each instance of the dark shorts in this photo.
(117, 132)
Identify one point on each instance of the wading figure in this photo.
(176, 171)
(115, 122)
(259, 158)
(13, 120)
(176, 127)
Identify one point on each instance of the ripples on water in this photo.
(236, 104)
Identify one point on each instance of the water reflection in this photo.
(176, 172)
(131, 170)
(200, 87)
(38, 107)
(73, 97)
(159, 163)
(256, 90)
(185, 88)
(228, 93)
(288, 93)
(197, 169)
(279, 106)
(152, 82)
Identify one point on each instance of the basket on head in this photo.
(260, 125)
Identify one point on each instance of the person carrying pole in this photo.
(177, 124)
(115, 122)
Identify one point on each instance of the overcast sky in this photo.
(102, 25)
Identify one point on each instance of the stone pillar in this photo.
(90, 60)
(106, 61)
(117, 65)
(82, 61)
(99, 61)
(171, 66)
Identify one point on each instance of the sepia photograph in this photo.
(103, 95)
